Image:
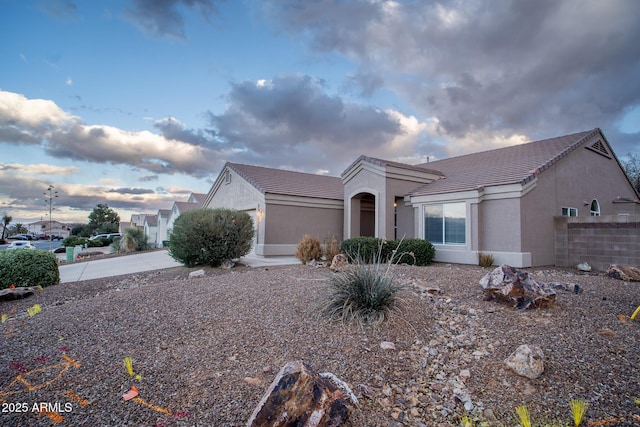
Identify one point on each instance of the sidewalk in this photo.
(146, 261)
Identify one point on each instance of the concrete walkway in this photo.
(146, 261)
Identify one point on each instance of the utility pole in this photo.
(49, 195)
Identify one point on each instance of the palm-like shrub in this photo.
(366, 293)
(133, 240)
(210, 236)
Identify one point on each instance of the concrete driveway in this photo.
(146, 261)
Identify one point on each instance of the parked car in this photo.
(21, 237)
(21, 244)
(105, 236)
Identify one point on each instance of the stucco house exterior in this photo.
(501, 201)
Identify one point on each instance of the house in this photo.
(151, 229)
(50, 228)
(162, 220)
(284, 205)
(501, 201)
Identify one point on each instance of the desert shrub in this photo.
(308, 249)
(366, 249)
(332, 247)
(485, 260)
(365, 294)
(210, 236)
(413, 251)
(24, 267)
(133, 240)
(98, 243)
(406, 251)
(74, 241)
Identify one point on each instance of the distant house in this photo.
(49, 228)
(151, 229)
(166, 217)
(501, 201)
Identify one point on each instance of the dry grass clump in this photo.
(308, 249)
(332, 247)
(485, 260)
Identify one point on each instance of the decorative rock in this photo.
(197, 273)
(227, 263)
(506, 283)
(583, 266)
(387, 345)
(628, 274)
(17, 293)
(339, 263)
(300, 397)
(527, 361)
(312, 263)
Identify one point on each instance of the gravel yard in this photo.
(207, 348)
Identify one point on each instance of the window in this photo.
(445, 223)
(595, 208)
(569, 211)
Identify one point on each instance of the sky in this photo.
(137, 103)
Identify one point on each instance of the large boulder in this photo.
(300, 397)
(508, 284)
(628, 274)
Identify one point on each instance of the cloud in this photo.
(62, 135)
(39, 169)
(294, 121)
(59, 8)
(164, 18)
(131, 190)
(487, 69)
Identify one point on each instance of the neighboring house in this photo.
(50, 228)
(137, 221)
(123, 226)
(284, 205)
(501, 201)
(151, 229)
(162, 219)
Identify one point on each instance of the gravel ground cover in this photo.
(206, 349)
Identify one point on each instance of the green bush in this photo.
(407, 251)
(74, 241)
(366, 294)
(413, 251)
(24, 267)
(210, 236)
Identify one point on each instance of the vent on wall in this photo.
(600, 148)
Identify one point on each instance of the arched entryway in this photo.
(363, 215)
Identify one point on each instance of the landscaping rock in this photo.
(300, 397)
(628, 274)
(583, 266)
(197, 273)
(527, 361)
(508, 284)
(17, 293)
(339, 263)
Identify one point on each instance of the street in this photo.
(39, 244)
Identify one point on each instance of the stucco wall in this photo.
(600, 241)
(574, 181)
(285, 224)
(499, 223)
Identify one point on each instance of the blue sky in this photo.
(137, 103)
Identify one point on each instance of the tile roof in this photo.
(385, 163)
(509, 165)
(187, 206)
(278, 181)
(151, 219)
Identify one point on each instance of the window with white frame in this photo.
(445, 223)
(569, 211)
(595, 208)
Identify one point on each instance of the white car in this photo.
(21, 244)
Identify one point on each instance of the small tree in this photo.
(6, 220)
(210, 236)
(104, 219)
(632, 169)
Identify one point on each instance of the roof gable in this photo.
(278, 181)
(508, 165)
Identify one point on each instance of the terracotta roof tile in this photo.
(278, 181)
(509, 165)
